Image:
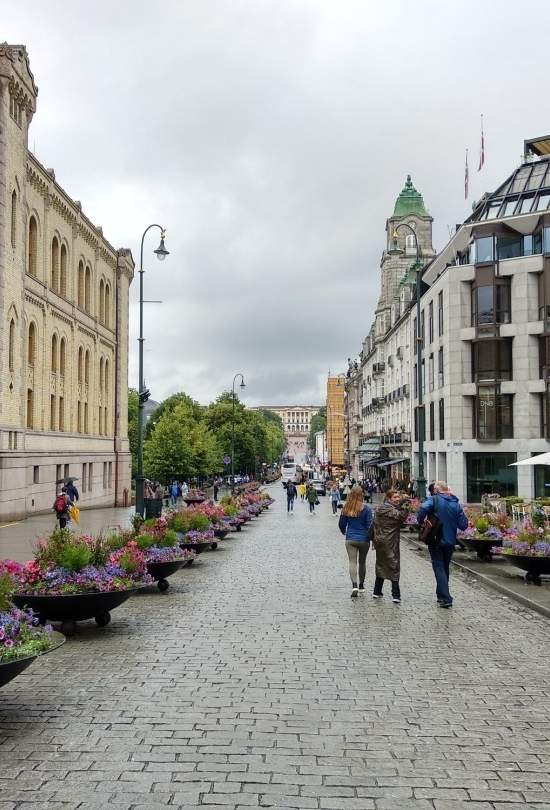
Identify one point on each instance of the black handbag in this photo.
(430, 530)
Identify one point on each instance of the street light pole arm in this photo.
(154, 225)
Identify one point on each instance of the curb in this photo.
(490, 583)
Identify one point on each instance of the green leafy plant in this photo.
(6, 591)
(482, 525)
(74, 556)
(144, 541)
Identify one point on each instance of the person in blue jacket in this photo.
(451, 515)
(355, 522)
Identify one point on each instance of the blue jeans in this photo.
(441, 560)
(289, 504)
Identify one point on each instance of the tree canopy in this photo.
(318, 422)
(185, 440)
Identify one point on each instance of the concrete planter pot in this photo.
(534, 567)
(481, 547)
(160, 571)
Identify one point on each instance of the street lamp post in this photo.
(143, 393)
(242, 385)
(420, 421)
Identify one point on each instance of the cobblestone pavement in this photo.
(255, 681)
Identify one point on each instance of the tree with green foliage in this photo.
(133, 407)
(318, 422)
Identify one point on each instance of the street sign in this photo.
(227, 460)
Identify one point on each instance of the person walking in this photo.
(174, 493)
(216, 487)
(302, 490)
(334, 498)
(388, 520)
(354, 523)
(61, 508)
(311, 495)
(71, 490)
(291, 493)
(450, 513)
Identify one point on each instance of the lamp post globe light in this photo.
(242, 385)
(420, 421)
(143, 393)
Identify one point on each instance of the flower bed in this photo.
(74, 577)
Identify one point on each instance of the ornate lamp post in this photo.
(242, 385)
(421, 423)
(143, 393)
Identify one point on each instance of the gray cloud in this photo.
(271, 139)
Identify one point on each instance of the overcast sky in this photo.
(271, 138)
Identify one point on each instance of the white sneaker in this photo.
(377, 596)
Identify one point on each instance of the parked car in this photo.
(320, 487)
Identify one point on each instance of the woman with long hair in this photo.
(354, 523)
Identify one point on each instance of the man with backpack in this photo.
(61, 508)
(291, 493)
(446, 516)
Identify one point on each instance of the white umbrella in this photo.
(542, 458)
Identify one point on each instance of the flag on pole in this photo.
(482, 148)
(466, 177)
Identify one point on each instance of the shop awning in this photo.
(389, 461)
(374, 461)
(533, 461)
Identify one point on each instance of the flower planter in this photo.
(193, 499)
(481, 547)
(221, 534)
(198, 548)
(534, 567)
(71, 608)
(11, 669)
(161, 570)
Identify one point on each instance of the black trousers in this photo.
(379, 584)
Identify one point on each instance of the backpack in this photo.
(430, 531)
(60, 504)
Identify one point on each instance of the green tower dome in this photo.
(409, 201)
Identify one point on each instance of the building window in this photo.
(104, 475)
(62, 356)
(491, 300)
(54, 271)
(30, 408)
(493, 414)
(80, 364)
(87, 289)
(11, 346)
(422, 330)
(58, 473)
(52, 412)
(441, 419)
(492, 360)
(544, 357)
(101, 302)
(432, 421)
(36, 474)
(84, 477)
(63, 271)
(110, 474)
(415, 382)
(61, 413)
(490, 472)
(80, 285)
(431, 372)
(440, 371)
(440, 314)
(86, 417)
(107, 304)
(423, 382)
(13, 218)
(484, 249)
(90, 477)
(431, 321)
(54, 354)
(79, 417)
(66, 471)
(87, 367)
(33, 247)
(31, 345)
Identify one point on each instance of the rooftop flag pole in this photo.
(482, 148)
(466, 177)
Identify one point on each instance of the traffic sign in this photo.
(227, 459)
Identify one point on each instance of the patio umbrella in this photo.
(532, 461)
(68, 480)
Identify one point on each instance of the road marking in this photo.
(5, 525)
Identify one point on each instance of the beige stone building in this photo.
(63, 327)
(336, 421)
